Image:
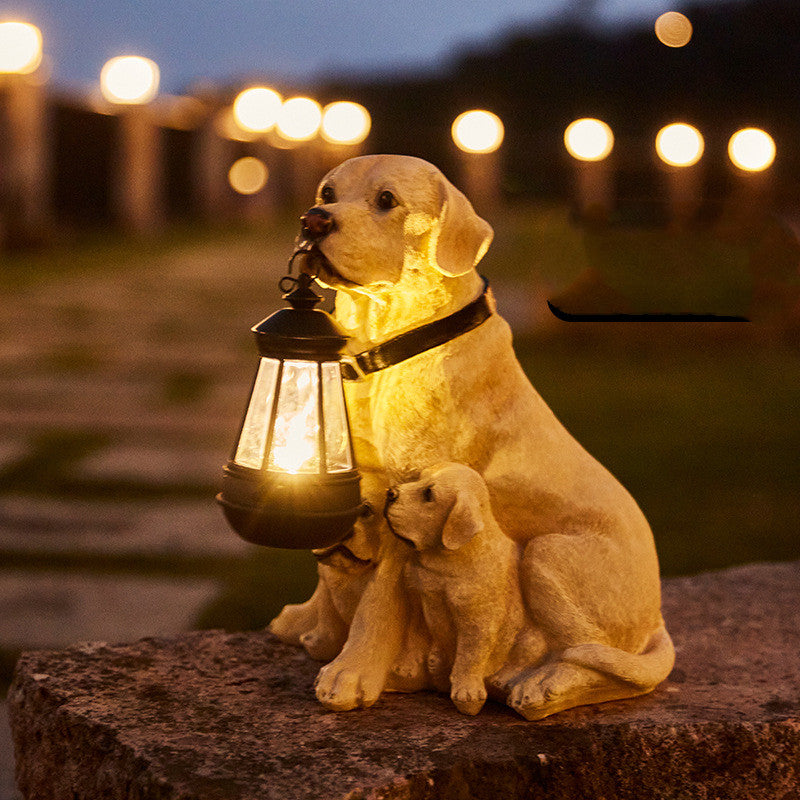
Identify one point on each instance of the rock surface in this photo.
(217, 716)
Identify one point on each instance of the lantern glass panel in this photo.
(337, 435)
(253, 439)
(295, 437)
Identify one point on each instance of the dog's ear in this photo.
(463, 522)
(463, 237)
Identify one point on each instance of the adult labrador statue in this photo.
(400, 244)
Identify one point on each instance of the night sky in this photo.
(286, 39)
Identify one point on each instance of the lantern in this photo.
(292, 480)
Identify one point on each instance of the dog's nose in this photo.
(316, 223)
(391, 495)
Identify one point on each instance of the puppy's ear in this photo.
(463, 522)
(464, 237)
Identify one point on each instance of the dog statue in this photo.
(441, 383)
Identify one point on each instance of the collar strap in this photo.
(418, 340)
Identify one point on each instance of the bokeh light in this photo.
(679, 145)
(588, 139)
(129, 79)
(256, 109)
(299, 119)
(673, 29)
(20, 47)
(248, 175)
(478, 131)
(344, 122)
(752, 149)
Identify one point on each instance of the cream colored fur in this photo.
(587, 564)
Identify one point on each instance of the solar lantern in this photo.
(292, 480)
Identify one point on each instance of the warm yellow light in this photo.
(478, 131)
(131, 80)
(256, 108)
(751, 149)
(673, 29)
(679, 145)
(248, 175)
(299, 119)
(295, 435)
(344, 122)
(20, 47)
(588, 139)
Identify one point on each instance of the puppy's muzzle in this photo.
(316, 223)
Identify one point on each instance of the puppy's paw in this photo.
(341, 689)
(468, 695)
(293, 621)
(321, 645)
(408, 673)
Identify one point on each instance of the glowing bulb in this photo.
(478, 131)
(256, 108)
(296, 431)
(20, 47)
(299, 119)
(751, 149)
(673, 29)
(129, 79)
(248, 175)
(679, 145)
(588, 139)
(344, 122)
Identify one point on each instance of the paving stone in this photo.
(165, 528)
(52, 609)
(233, 717)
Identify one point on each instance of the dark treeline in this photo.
(741, 68)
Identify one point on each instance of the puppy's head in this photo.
(444, 509)
(377, 217)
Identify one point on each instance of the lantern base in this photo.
(299, 512)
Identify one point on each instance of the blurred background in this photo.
(154, 159)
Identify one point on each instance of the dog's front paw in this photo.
(469, 695)
(340, 688)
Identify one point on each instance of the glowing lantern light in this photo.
(20, 47)
(248, 175)
(679, 145)
(131, 80)
(299, 119)
(588, 139)
(751, 149)
(256, 109)
(673, 29)
(344, 122)
(478, 131)
(292, 480)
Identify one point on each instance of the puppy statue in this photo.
(439, 382)
(464, 570)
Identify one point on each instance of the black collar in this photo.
(418, 340)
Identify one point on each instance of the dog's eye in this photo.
(327, 195)
(385, 200)
(366, 510)
(427, 494)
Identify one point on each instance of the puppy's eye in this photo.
(385, 200)
(427, 494)
(327, 195)
(366, 510)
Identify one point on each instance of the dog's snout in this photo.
(316, 223)
(391, 495)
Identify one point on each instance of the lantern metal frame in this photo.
(273, 507)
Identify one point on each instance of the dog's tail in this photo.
(644, 670)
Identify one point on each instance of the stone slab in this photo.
(8, 789)
(221, 716)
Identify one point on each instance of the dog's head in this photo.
(444, 509)
(379, 217)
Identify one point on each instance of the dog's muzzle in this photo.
(316, 223)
